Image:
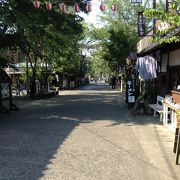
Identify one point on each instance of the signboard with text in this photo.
(136, 1)
(141, 24)
(130, 91)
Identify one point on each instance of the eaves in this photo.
(157, 45)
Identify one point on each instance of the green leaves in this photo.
(114, 41)
(166, 35)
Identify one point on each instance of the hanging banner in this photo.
(141, 24)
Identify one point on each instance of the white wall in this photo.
(174, 58)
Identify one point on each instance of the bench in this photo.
(158, 107)
(56, 89)
(44, 94)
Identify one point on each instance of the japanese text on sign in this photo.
(130, 91)
(141, 24)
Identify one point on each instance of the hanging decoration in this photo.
(76, 7)
(62, 7)
(113, 7)
(48, 6)
(88, 7)
(102, 7)
(37, 3)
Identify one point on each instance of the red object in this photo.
(113, 7)
(62, 7)
(102, 7)
(76, 8)
(48, 6)
(37, 3)
(88, 7)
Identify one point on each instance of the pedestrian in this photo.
(113, 82)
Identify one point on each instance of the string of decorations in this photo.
(75, 7)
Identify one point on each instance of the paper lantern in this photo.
(37, 4)
(88, 7)
(62, 7)
(113, 7)
(102, 7)
(76, 8)
(48, 6)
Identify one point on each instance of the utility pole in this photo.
(167, 5)
(154, 20)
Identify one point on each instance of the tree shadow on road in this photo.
(31, 138)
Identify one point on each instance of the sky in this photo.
(92, 17)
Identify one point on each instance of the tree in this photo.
(118, 37)
(41, 34)
(171, 17)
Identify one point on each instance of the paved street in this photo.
(86, 134)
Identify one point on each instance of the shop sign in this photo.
(141, 24)
(162, 25)
(130, 90)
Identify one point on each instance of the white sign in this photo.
(162, 26)
(131, 99)
(136, 1)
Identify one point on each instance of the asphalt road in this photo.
(86, 134)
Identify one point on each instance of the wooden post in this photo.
(175, 140)
(10, 97)
(177, 148)
(121, 85)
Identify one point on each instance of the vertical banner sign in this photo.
(141, 24)
(130, 91)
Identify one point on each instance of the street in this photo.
(85, 134)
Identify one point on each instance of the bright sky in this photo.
(92, 18)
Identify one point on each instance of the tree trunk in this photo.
(33, 86)
(33, 80)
